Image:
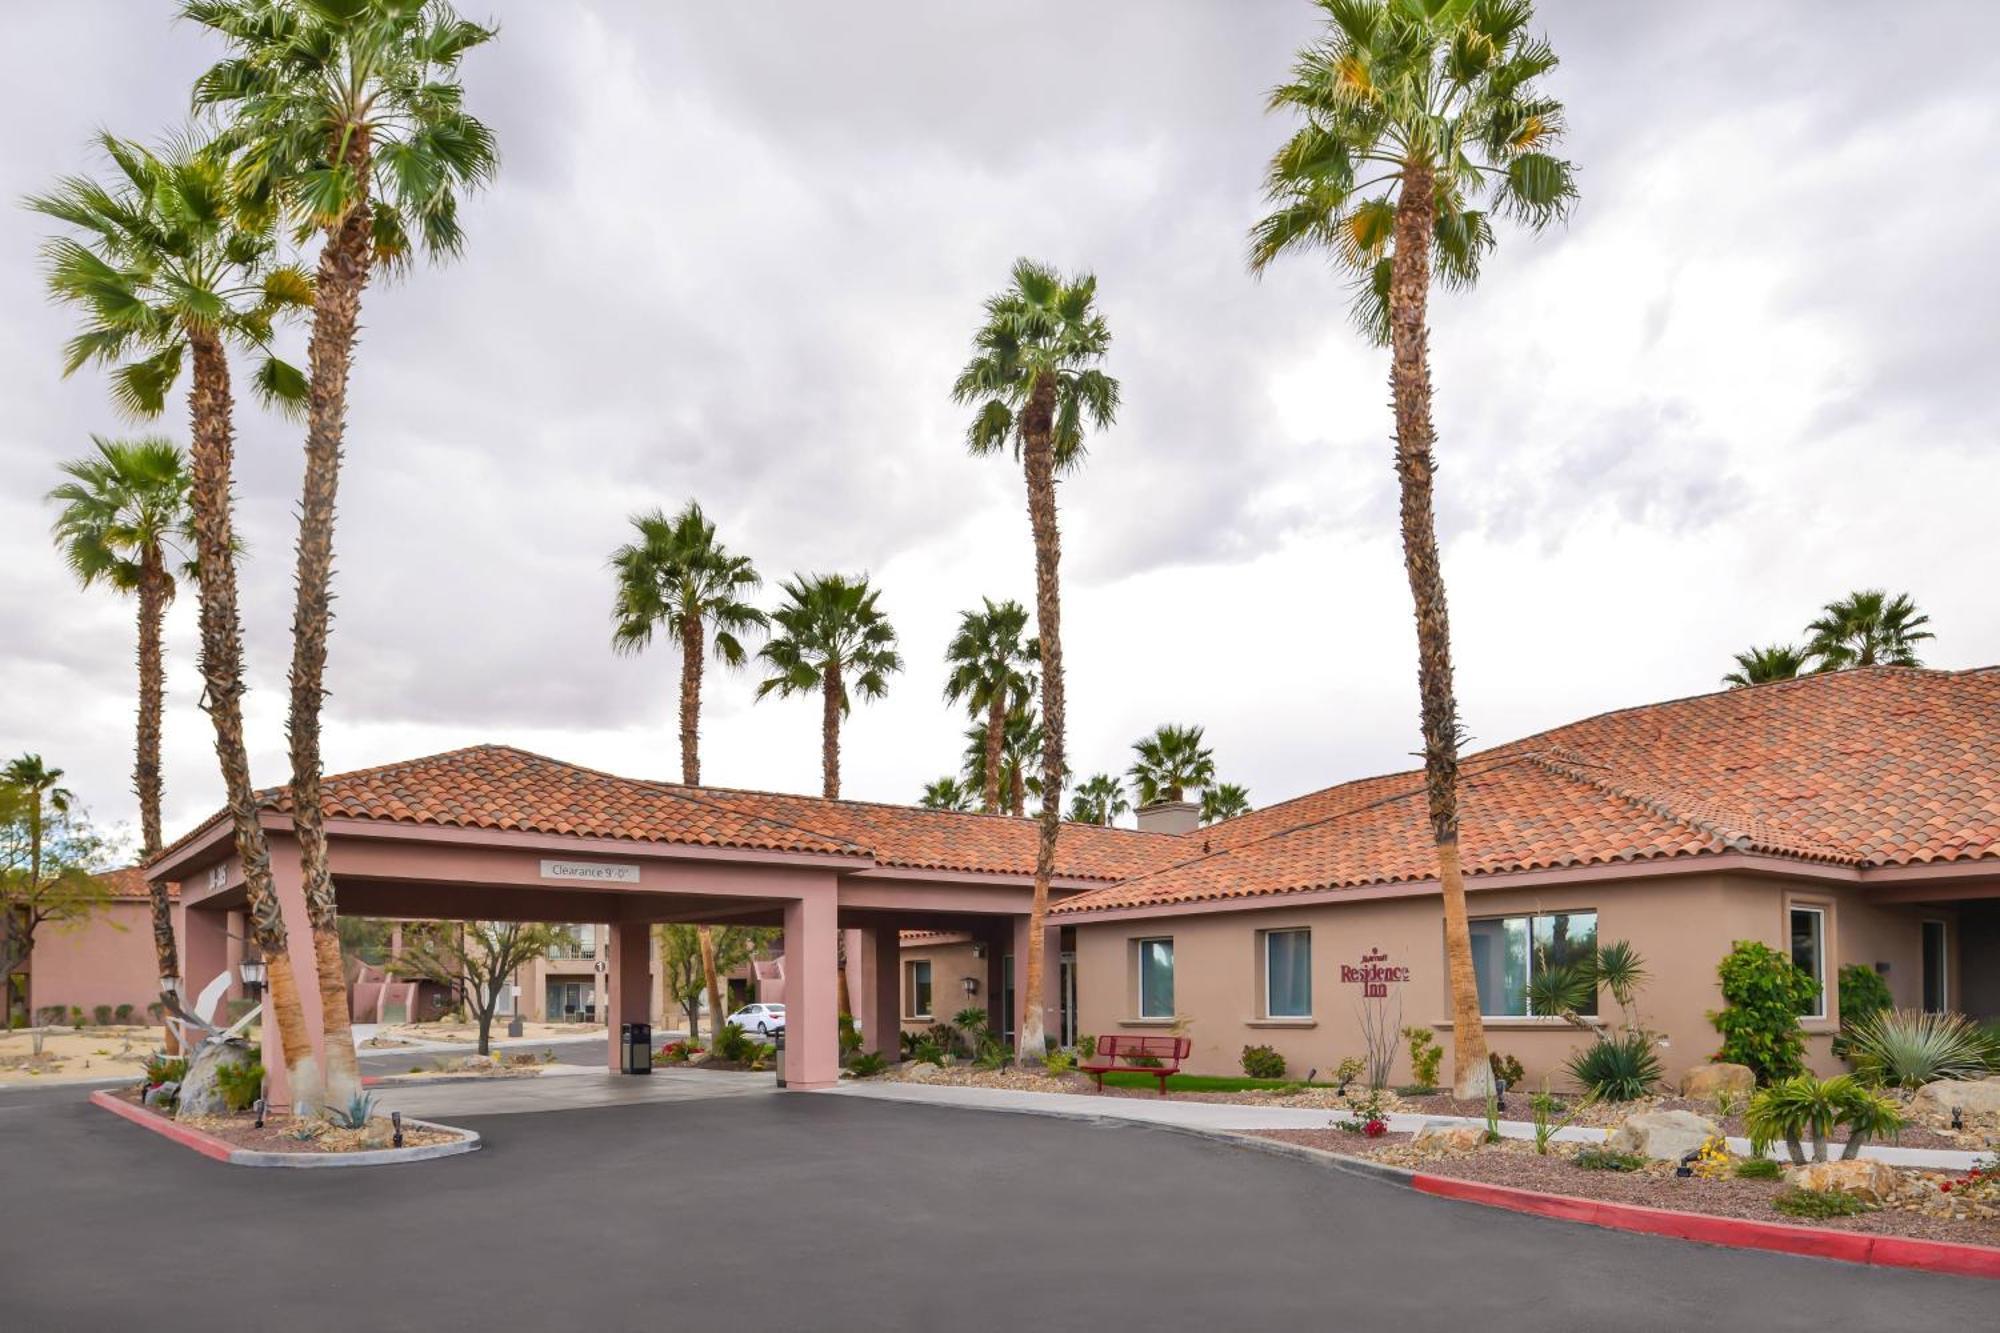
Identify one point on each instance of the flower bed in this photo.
(1926, 1128)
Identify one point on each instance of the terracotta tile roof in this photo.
(130, 882)
(1865, 768)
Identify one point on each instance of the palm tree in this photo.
(1172, 762)
(1868, 628)
(349, 118)
(832, 638)
(172, 267)
(1225, 800)
(992, 661)
(678, 577)
(948, 793)
(1034, 379)
(34, 784)
(1755, 666)
(125, 522)
(1100, 800)
(1415, 115)
(1021, 745)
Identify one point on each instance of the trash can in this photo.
(635, 1042)
(778, 1056)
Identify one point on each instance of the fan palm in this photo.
(1034, 381)
(1172, 761)
(348, 116)
(678, 577)
(1100, 800)
(1020, 752)
(1225, 800)
(31, 783)
(1419, 116)
(169, 265)
(948, 793)
(1755, 666)
(1868, 628)
(992, 660)
(830, 637)
(125, 523)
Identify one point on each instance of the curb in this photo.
(208, 1145)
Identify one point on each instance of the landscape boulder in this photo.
(201, 1093)
(1703, 1082)
(1664, 1136)
(1449, 1136)
(923, 1071)
(1974, 1096)
(378, 1132)
(1871, 1182)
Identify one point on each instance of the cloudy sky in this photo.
(736, 253)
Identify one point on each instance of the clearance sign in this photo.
(1373, 974)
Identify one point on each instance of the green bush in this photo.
(1908, 1048)
(1507, 1069)
(1758, 1168)
(1086, 1045)
(1763, 994)
(868, 1064)
(993, 1056)
(1263, 1062)
(1425, 1056)
(124, 1014)
(1862, 992)
(1347, 1071)
(850, 1036)
(165, 1069)
(1819, 1203)
(1617, 1069)
(1059, 1061)
(731, 1043)
(240, 1084)
(1803, 1107)
(927, 1051)
(101, 1015)
(1599, 1158)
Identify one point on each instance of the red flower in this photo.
(1945, 1185)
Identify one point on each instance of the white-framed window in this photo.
(1288, 989)
(917, 990)
(1809, 953)
(1156, 978)
(1513, 955)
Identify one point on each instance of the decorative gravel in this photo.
(281, 1132)
(1923, 1211)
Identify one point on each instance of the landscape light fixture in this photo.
(260, 1113)
(1686, 1168)
(1958, 1117)
(396, 1120)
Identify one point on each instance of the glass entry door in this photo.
(1068, 1020)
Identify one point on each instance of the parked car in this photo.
(762, 1019)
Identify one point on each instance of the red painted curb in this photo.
(206, 1144)
(1930, 1256)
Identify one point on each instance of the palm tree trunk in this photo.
(996, 733)
(146, 769)
(1038, 460)
(210, 461)
(1410, 381)
(829, 732)
(343, 273)
(1017, 792)
(691, 650)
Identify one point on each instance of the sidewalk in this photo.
(1239, 1117)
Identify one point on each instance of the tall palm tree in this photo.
(1755, 666)
(948, 793)
(1415, 114)
(1100, 800)
(125, 522)
(832, 638)
(349, 119)
(170, 266)
(1224, 800)
(1171, 763)
(1034, 380)
(37, 786)
(1020, 753)
(1868, 628)
(992, 659)
(678, 577)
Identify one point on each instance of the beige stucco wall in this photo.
(1681, 924)
(950, 964)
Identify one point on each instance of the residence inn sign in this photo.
(1373, 974)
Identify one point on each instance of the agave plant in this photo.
(1803, 1106)
(359, 1107)
(1617, 1069)
(1907, 1048)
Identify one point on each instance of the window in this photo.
(1809, 953)
(1288, 984)
(1515, 957)
(1156, 978)
(918, 989)
(1934, 968)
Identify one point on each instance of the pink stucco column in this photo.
(1051, 996)
(628, 979)
(812, 1028)
(878, 1001)
(204, 950)
(290, 885)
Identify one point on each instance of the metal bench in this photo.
(1123, 1053)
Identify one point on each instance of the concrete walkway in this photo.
(567, 1088)
(1241, 1116)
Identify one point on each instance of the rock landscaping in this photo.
(300, 1134)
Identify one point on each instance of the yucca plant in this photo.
(1803, 1106)
(1617, 1069)
(1907, 1048)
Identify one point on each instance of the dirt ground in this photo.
(467, 1032)
(285, 1133)
(71, 1055)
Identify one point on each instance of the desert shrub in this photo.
(1059, 1061)
(992, 1055)
(1349, 1069)
(850, 1036)
(1908, 1048)
(868, 1064)
(1597, 1157)
(1804, 1107)
(1425, 1056)
(927, 1051)
(240, 1084)
(945, 1037)
(1862, 992)
(971, 1021)
(1617, 1069)
(165, 1069)
(1763, 994)
(123, 1014)
(1758, 1168)
(52, 1016)
(1819, 1203)
(1086, 1045)
(758, 1054)
(355, 1114)
(1263, 1062)
(101, 1015)
(731, 1043)
(157, 1011)
(1507, 1069)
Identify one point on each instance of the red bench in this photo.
(1125, 1053)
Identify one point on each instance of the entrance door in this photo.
(1068, 1020)
(1007, 998)
(1935, 988)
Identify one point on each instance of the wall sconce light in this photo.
(978, 951)
(1881, 969)
(170, 986)
(252, 972)
(972, 985)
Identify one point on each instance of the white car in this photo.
(762, 1019)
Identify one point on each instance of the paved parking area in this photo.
(567, 1087)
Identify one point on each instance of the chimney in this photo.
(1169, 817)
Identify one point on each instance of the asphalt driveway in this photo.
(801, 1211)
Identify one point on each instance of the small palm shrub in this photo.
(927, 1051)
(850, 1036)
(1907, 1048)
(993, 1056)
(240, 1084)
(1617, 1069)
(731, 1043)
(1263, 1062)
(1804, 1107)
(1763, 994)
(1819, 1203)
(868, 1064)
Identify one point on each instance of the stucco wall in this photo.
(107, 960)
(950, 964)
(1681, 924)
